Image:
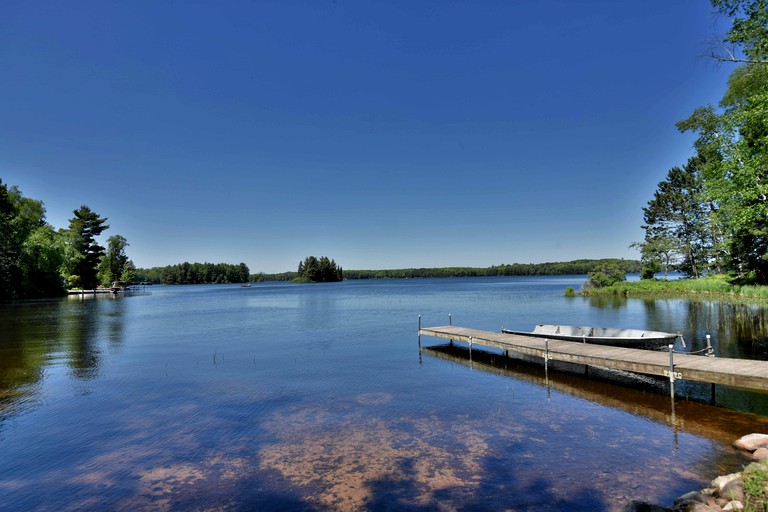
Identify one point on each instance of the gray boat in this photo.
(630, 338)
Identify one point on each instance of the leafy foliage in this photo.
(604, 275)
(43, 258)
(38, 261)
(713, 214)
(677, 225)
(749, 26)
(115, 265)
(9, 251)
(30, 250)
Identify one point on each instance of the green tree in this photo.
(129, 272)
(84, 253)
(10, 272)
(30, 251)
(604, 275)
(733, 139)
(749, 22)
(657, 254)
(114, 261)
(42, 260)
(676, 220)
(319, 270)
(243, 273)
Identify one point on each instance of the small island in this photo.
(318, 270)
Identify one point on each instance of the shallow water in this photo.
(316, 397)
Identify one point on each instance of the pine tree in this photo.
(676, 218)
(86, 253)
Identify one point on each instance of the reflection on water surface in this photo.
(301, 397)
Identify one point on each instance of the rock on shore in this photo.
(725, 493)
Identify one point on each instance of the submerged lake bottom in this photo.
(317, 397)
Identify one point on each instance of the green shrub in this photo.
(755, 477)
(605, 275)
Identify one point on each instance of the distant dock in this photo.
(89, 292)
(741, 373)
(114, 290)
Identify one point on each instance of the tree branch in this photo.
(732, 58)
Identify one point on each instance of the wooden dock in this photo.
(742, 373)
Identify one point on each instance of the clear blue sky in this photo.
(383, 134)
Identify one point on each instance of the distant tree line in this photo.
(262, 277)
(195, 273)
(576, 267)
(516, 269)
(36, 260)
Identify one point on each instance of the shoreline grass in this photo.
(715, 287)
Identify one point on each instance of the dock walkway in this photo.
(95, 291)
(742, 373)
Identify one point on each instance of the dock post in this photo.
(419, 334)
(672, 385)
(711, 353)
(450, 322)
(671, 372)
(546, 367)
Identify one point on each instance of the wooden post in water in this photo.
(711, 353)
(419, 334)
(546, 366)
(671, 372)
(672, 375)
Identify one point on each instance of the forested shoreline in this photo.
(37, 260)
(194, 273)
(575, 267)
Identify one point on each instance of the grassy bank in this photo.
(716, 287)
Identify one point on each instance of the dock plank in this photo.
(741, 373)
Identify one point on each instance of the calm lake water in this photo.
(316, 397)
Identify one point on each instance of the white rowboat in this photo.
(601, 335)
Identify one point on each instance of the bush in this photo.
(604, 276)
(755, 478)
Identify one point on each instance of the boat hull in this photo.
(630, 338)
